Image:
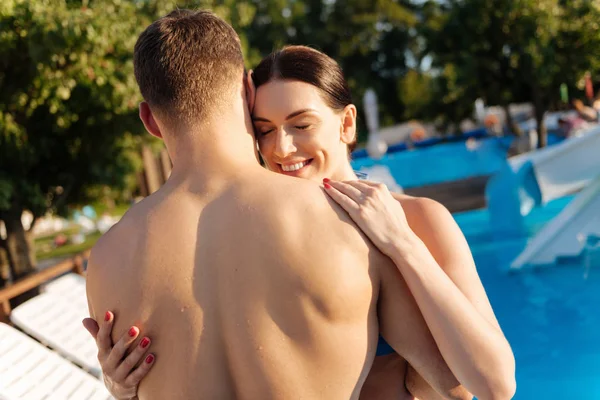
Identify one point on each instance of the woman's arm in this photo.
(464, 329)
(436, 228)
(417, 386)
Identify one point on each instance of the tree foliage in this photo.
(67, 106)
(511, 50)
(67, 101)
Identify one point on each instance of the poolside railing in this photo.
(74, 264)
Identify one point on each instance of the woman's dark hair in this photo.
(304, 64)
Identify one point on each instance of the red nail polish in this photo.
(149, 359)
(132, 331)
(144, 343)
(326, 180)
(107, 316)
(327, 186)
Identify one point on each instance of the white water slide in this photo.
(558, 171)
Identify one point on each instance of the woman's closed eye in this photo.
(304, 123)
(264, 130)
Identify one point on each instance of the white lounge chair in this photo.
(30, 371)
(70, 286)
(54, 318)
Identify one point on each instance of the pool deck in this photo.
(462, 195)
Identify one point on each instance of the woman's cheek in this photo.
(262, 145)
(263, 148)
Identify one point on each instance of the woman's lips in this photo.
(294, 169)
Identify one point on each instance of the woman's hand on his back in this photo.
(377, 213)
(119, 363)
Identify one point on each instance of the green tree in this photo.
(558, 43)
(416, 90)
(67, 109)
(511, 50)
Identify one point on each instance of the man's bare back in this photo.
(250, 291)
(260, 288)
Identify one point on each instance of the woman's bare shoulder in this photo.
(421, 207)
(431, 221)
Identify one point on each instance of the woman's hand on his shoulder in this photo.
(123, 364)
(374, 209)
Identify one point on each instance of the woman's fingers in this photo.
(372, 191)
(103, 339)
(91, 326)
(342, 199)
(118, 351)
(364, 188)
(349, 190)
(377, 185)
(369, 187)
(132, 360)
(141, 371)
(118, 369)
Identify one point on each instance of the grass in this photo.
(68, 249)
(44, 245)
(117, 211)
(50, 236)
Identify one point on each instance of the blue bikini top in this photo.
(383, 348)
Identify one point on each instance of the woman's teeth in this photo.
(293, 167)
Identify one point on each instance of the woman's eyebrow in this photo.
(292, 115)
(259, 119)
(296, 113)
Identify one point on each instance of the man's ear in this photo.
(148, 119)
(348, 128)
(250, 90)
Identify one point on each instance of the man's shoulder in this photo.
(294, 195)
(279, 186)
(118, 240)
(317, 235)
(299, 209)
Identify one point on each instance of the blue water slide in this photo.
(534, 179)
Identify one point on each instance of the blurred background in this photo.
(488, 106)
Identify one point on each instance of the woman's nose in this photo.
(284, 145)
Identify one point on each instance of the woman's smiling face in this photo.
(298, 134)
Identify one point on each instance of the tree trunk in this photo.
(541, 126)
(542, 132)
(20, 252)
(19, 246)
(540, 109)
(4, 267)
(510, 122)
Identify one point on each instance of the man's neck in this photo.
(212, 155)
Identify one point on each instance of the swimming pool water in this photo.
(550, 316)
(438, 160)
(442, 163)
